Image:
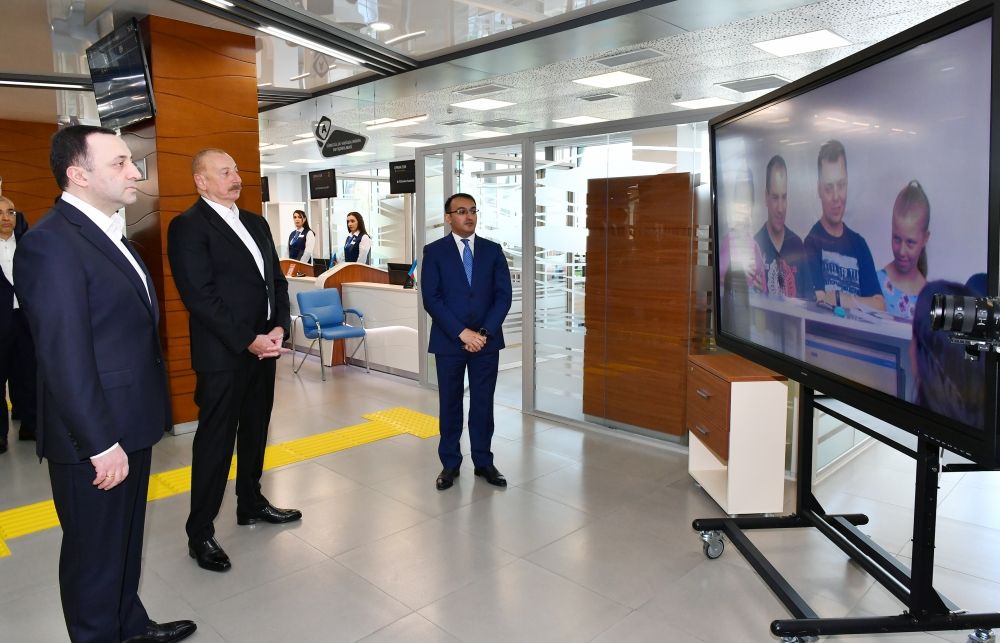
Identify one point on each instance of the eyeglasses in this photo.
(464, 211)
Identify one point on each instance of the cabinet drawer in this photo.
(707, 400)
(715, 440)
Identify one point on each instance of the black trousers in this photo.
(100, 559)
(17, 370)
(234, 407)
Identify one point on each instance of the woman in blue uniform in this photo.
(302, 239)
(358, 245)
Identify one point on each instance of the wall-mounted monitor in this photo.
(842, 200)
(322, 184)
(120, 76)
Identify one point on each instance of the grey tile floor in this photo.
(591, 541)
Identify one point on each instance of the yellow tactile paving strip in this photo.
(29, 519)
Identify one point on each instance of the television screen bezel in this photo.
(335, 191)
(132, 24)
(980, 445)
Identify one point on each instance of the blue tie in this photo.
(467, 260)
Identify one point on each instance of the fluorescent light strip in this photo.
(305, 135)
(271, 167)
(413, 144)
(222, 4)
(308, 161)
(302, 141)
(802, 43)
(360, 154)
(300, 76)
(28, 83)
(701, 103)
(483, 104)
(272, 146)
(309, 44)
(397, 122)
(579, 120)
(264, 84)
(378, 121)
(484, 133)
(405, 36)
(613, 79)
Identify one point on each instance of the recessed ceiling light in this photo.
(380, 26)
(360, 154)
(308, 160)
(309, 44)
(302, 141)
(802, 43)
(579, 120)
(270, 167)
(701, 103)
(405, 36)
(397, 122)
(485, 133)
(613, 79)
(413, 144)
(483, 104)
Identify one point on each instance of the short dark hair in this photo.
(69, 147)
(458, 195)
(776, 163)
(831, 152)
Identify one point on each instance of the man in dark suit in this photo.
(227, 273)
(465, 285)
(103, 399)
(17, 351)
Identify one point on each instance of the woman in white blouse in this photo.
(358, 245)
(302, 239)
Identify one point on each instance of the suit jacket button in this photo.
(158, 361)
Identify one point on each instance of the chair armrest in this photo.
(311, 316)
(359, 315)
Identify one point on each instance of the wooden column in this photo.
(205, 89)
(24, 166)
(639, 254)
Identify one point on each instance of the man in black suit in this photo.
(17, 351)
(102, 391)
(227, 273)
(465, 285)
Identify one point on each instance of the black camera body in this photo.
(973, 321)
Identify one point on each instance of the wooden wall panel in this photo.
(24, 166)
(205, 88)
(638, 300)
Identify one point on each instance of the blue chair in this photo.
(323, 317)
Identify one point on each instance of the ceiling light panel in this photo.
(483, 104)
(612, 79)
(593, 98)
(629, 57)
(482, 90)
(412, 144)
(485, 133)
(579, 120)
(802, 43)
(502, 123)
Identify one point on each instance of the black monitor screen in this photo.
(322, 184)
(842, 204)
(121, 78)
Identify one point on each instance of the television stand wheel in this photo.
(713, 544)
(982, 635)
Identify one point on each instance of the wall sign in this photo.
(337, 142)
(403, 177)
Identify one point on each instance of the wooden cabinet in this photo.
(736, 416)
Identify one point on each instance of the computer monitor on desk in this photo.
(398, 273)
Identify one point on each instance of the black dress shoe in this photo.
(209, 555)
(446, 478)
(492, 476)
(269, 514)
(164, 632)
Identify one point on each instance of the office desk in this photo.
(391, 322)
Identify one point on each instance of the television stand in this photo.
(926, 610)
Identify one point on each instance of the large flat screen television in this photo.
(843, 201)
(120, 75)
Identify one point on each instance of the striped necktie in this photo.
(467, 260)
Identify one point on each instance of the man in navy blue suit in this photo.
(17, 351)
(102, 393)
(465, 285)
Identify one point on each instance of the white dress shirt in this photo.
(232, 218)
(461, 246)
(114, 227)
(7, 248)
